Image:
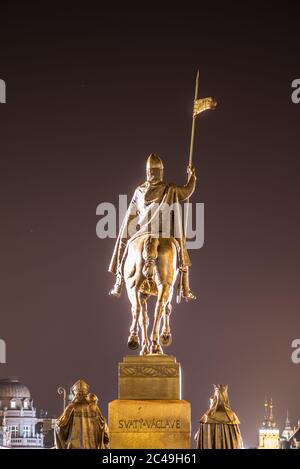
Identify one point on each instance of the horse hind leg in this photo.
(166, 336)
(144, 322)
(133, 339)
(162, 298)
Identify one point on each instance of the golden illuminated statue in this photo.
(81, 426)
(145, 207)
(219, 426)
(151, 251)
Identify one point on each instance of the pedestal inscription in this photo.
(149, 424)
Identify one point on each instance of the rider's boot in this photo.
(117, 288)
(186, 291)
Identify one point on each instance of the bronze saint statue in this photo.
(219, 426)
(81, 426)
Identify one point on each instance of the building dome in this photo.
(11, 388)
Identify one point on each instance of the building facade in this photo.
(294, 440)
(18, 420)
(269, 435)
(288, 430)
(290, 437)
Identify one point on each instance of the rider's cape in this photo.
(154, 209)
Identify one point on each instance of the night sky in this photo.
(91, 91)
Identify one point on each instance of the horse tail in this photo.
(149, 255)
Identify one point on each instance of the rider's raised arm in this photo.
(184, 192)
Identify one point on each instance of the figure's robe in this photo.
(219, 426)
(144, 213)
(81, 426)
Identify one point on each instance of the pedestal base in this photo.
(149, 377)
(149, 424)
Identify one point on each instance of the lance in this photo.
(192, 148)
(200, 105)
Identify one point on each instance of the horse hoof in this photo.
(133, 342)
(144, 351)
(166, 339)
(156, 350)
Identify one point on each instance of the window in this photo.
(14, 432)
(26, 404)
(13, 404)
(26, 431)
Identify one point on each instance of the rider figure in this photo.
(153, 191)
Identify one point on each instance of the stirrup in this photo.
(189, 296)
(117, 289)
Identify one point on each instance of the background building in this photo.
(19, 425)
(288, 430)
(290, 437)
(269, 432)
(294, 440)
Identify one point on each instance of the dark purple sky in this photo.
(91, 91)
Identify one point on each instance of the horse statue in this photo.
(140, 287)
(148, 261)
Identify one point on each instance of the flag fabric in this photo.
(203, 104)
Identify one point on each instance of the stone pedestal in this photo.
(149, 424)
(149, 413)
(149, 377)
